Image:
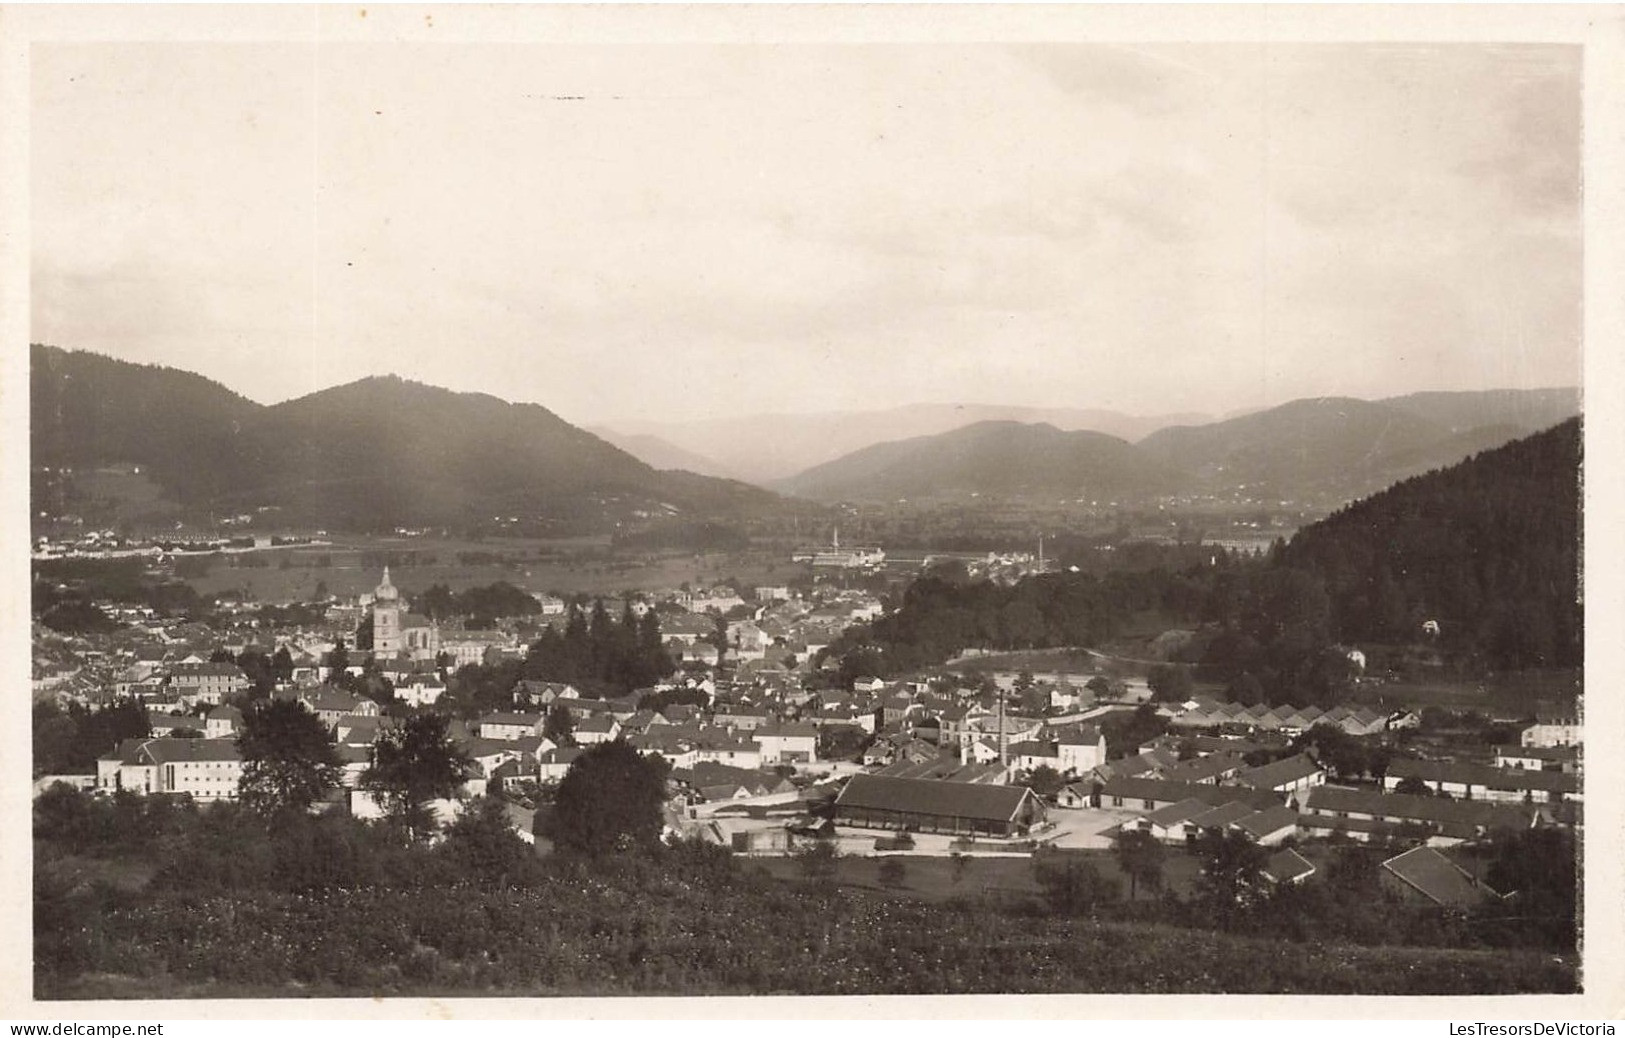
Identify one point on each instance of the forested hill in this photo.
(93, 410)
(1488, 548)
(373, 454)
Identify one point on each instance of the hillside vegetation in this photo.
(152, 901)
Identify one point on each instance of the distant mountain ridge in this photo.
(997, 458)
(375, 453)
(767, 448)
(1327, 447)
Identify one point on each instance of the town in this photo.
(773, 754)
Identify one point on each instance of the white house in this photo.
(787, 744)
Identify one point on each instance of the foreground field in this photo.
(696, 923)
(532, 942)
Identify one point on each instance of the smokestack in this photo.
(1004, 740)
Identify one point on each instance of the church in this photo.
(397, 633)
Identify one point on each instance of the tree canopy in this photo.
(610, 801)
(288, 761)
(413, 762)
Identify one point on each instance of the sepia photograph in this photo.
(819, 507)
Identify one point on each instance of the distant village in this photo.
(766, 755)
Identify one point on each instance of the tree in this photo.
(1044, 780)
(1231, 867)
(339, 659)
(1139, 855)
(482, 843)
(610, 801)
(288, 762)
(282, 664)
(842, 742)
(1413, 786)
(1169, 682)
(560, 725)
(414, 762)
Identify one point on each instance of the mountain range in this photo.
(769, 448)
(385, 452)
(373, 454)
(1336, 448)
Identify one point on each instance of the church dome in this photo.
(386, 591)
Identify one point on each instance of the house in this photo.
(743, 718)
(205, 769)
(1291, 777)
(1554, 726)
(927, 805)
(1080, 749)
(686, 629)
(465, 647)
(1425, 874)
(542, 693)
(1029, 756)
(420, 689)
(590, 731)
(787, 743)
(1287, 866)
(223, 722)
(489, 754)
(555, 763)
(1073, 796)
(331, 703)
(207, 682)
(510, 726)
(1539, 758)
(168, 724)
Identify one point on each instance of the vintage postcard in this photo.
(591, 509)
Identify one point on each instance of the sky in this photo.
(688, 231)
